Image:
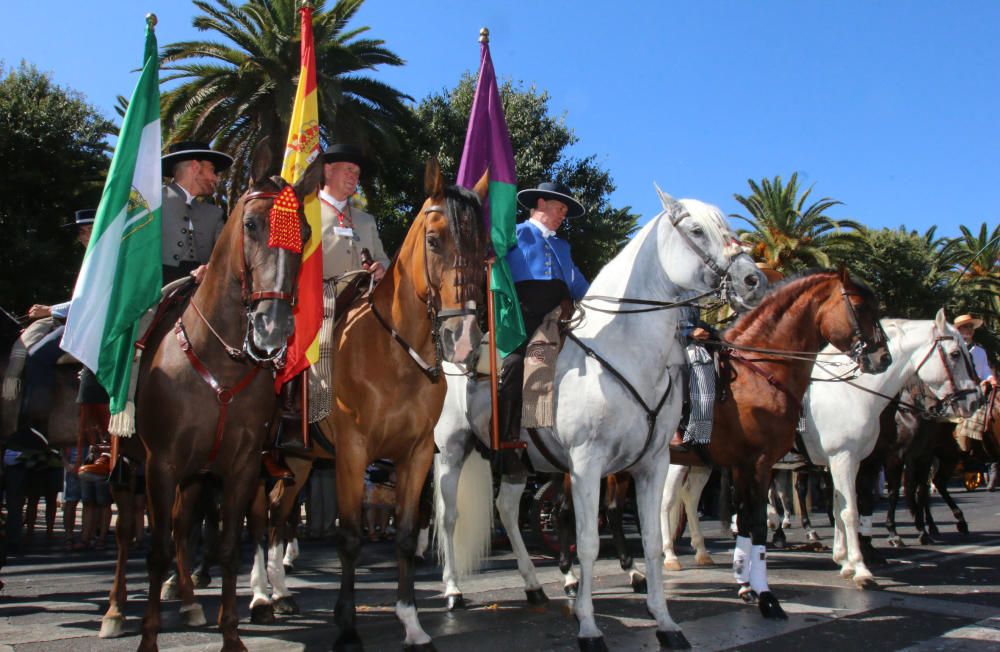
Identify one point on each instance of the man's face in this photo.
(555, 211)
(205, 177)
(83, 234)
(341, 179)
(966, 330)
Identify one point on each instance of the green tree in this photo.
(539, 141)
(240, 89)
(53, 159)
(790, 235)
(908, 271)
(976, 259)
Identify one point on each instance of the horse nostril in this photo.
(752, 280)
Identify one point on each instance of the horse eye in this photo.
(697, 230)
(433, 241)
(954, 355)
(250, 225)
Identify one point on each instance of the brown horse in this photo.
(768, 356)
(387, 379)
(202, 404)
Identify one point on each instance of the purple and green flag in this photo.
(487, 147)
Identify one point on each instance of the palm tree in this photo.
(976, 259)
(787, 234)
(239, 91)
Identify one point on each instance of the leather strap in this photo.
(736, 356)
(544, 450)
(224, 395)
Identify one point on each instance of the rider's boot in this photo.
(100, 469)
(510, 432)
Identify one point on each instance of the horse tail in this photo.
(474, 524)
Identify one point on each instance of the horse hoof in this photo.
(847, 572)
(704, 560)
(536, 596)
(168, 591)
(747, 594)
(112, 627)
(458, 602)
(962, 527)
(592, 644)
(672, 640)
(262, 614)
(348, 641)
(672, 565)
(639, 584)
(571, 589)
(924, 539)
(812, 536)
(770, 607)
(865, 582)
(420, 647)
(286, 606)
(896, 542)
(193, 616)
(201, 580)
(779, 542)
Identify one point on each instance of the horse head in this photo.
(454, 258)
(269, 274)
(947, 372)
(849, 320)
(706, 255)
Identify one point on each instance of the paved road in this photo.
(944, 596)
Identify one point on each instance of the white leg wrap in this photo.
(741, 561)
(758, 569)
(258, 578)
(866, 526)
(415, 634)
(276, 571)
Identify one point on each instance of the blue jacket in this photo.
(536, 258)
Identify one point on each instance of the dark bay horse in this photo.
(767, 360)
(206, 388)
(387, 379)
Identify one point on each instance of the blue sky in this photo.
(890, 107)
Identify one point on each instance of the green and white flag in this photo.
(122, 272)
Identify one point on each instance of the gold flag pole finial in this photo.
(151, 20)
(484, 35)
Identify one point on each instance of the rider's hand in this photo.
(377, 271)
(699, 333)
(199, 273)
(38, 311)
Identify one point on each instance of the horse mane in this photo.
(780, 298)
(465, 222)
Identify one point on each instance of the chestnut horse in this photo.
(768, 357)
(389, 392)
(202, 404)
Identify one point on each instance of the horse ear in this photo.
(261, 161)
(670, 204)
(845, 275)
(483, 185)
(941, 321)
(311, 180)
(433, 181)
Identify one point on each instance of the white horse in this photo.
(618, 395)
(841, 438)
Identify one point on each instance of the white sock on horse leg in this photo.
(741, 563)
(758, 569)
(866, 526)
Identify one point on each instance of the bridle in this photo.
(250, 298)
(435, 315)
(860, 344)
(956, 394)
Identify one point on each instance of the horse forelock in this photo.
(777, 302)
(711, 219)
(465, 223)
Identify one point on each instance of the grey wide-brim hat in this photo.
(193, 150)
(82, 217)
(551, 190)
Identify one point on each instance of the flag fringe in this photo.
(123, 423)
(11, 388)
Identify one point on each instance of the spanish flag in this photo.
(301, 149)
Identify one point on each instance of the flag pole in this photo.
(494, 398)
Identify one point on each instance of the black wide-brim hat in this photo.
(82, 217)
(193, 150)
(342, 152)
(551, 190)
